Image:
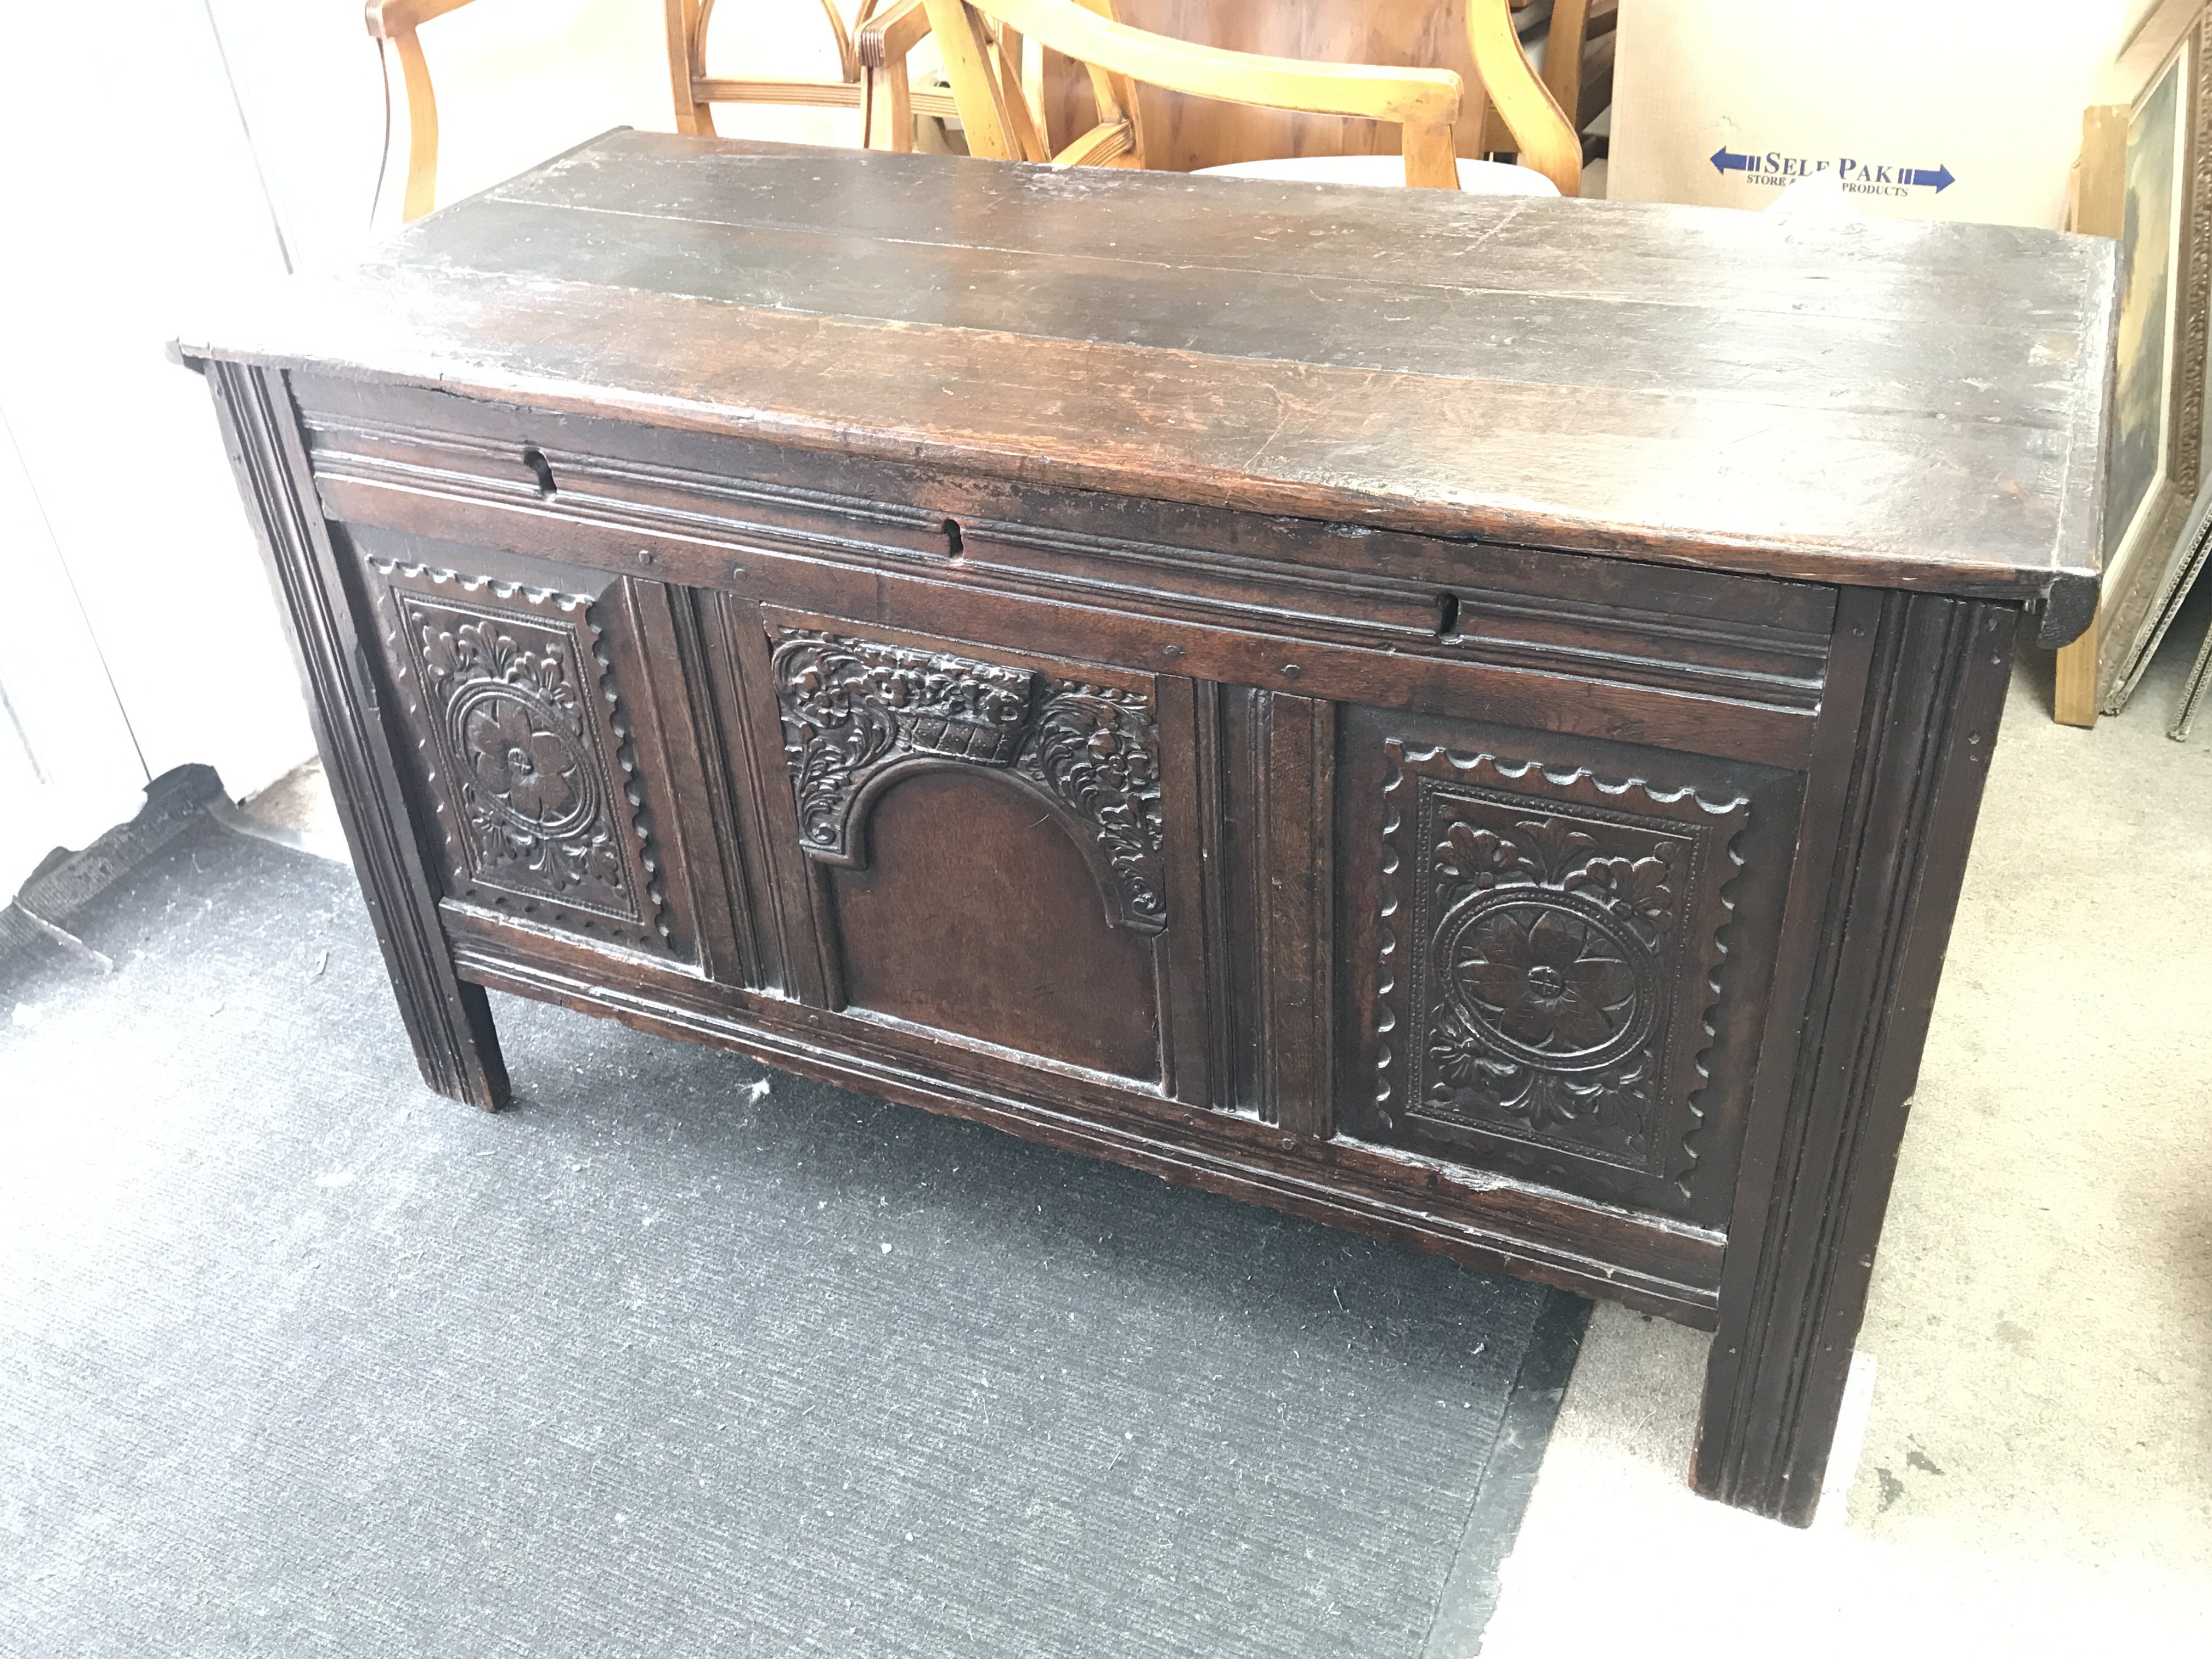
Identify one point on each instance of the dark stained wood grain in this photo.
(1455, 719)
(1879, 874)
(1735, 663)
(448, 1020)
(1493, 1223)
(1697, 971)
(1294, 740)
(976, 913)
(1880, 405)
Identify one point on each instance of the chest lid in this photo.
(1878, 404)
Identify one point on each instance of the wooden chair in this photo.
(395, 21)
(986, 46)
(871, 55)
(1185, 134)
(1577, 68)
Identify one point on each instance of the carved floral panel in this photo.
(1552, 947)
(854, 709)
(512, 707)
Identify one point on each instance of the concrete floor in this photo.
(2037, 1470)
(2036, 1475)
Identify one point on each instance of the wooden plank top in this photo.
(1875, 402)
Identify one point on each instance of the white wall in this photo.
(129, 195)
(68, 766)
(517, 81)
(134, 197)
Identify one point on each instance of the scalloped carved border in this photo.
(513, 705)
(1551, 948)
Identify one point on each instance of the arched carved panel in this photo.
(976, 913)
(857, 711)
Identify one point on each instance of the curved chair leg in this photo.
(422, 129)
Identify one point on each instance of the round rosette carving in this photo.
(1546, 979)
(529, 768)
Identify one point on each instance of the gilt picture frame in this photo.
(2146, 178)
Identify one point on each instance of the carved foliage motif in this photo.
(1564, 949)
(530, 788)
(853, 708)
(848, 707)
(1096, 748)
(525, 738)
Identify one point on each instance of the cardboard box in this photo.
(1969, 110)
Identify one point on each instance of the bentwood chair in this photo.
(871, 55)
(985, 44)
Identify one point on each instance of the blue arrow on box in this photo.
(1726, 161)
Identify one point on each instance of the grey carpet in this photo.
(681, 1356)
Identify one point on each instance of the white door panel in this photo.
(69, 767)
(125, 219)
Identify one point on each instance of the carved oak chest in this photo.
(1457, 718)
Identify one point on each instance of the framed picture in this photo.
(2146, 178)
(2142, 406)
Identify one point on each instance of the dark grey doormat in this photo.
(680, 1357)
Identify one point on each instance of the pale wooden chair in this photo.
(871, 54)
(1189, 134)
(395, 21)
(1577, 67)
(991, 49)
